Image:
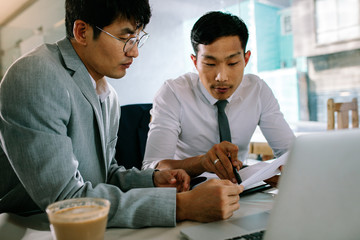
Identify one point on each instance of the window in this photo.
(286, 27)
(337, 20)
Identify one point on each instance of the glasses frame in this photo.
(136, 40)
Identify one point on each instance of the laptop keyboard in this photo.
(253, 236)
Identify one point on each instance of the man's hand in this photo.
(172, 178)
(210, 201)
(217, 160)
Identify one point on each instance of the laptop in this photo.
(318, 197)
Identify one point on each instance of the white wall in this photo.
(39, 21)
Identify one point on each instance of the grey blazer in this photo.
(57, 142)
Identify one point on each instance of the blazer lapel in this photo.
(82, 78)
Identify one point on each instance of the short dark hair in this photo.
(216, 24)
(102, 13)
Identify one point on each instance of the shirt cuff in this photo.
(150, 164)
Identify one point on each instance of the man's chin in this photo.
(117, 75)
(221, 96)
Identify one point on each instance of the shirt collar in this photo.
(101, 88)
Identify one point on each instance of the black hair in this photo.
(214, 25)
(102, 13)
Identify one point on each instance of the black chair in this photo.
(132, 134)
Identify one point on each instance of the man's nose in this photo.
(133, 52)
(221, 75)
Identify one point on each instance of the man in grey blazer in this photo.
(59, 120)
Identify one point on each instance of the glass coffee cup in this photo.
(78, 218)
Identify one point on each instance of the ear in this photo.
(247, 57)
(193, 58)
(81, 31)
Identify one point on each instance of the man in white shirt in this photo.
(184, 116)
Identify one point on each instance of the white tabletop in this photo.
(13, 227)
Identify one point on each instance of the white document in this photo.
(261, 171)
(254, 175)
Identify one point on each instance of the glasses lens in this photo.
(130, 44)
(132, 41)
(142, 40)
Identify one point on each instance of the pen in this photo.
(236, 173)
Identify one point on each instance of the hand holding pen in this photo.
(222, 160)
(236, 173)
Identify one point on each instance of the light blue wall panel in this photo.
(267, 37)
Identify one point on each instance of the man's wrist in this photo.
(193, 166)
(181, 208)
(199, 166)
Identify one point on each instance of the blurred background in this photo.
(306, 50)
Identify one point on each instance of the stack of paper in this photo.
(255, 174)
(261, 171)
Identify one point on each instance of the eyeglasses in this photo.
(129, 43)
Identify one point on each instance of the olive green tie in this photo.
(224, 128)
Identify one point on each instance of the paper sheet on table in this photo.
(261, 171)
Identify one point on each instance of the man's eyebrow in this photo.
(233, 55)
(228, 57)
(127, 31)
(209, 57)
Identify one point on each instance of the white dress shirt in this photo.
(101, 87)
(184, 119)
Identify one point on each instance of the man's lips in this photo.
(126, 65)
(222, 89)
